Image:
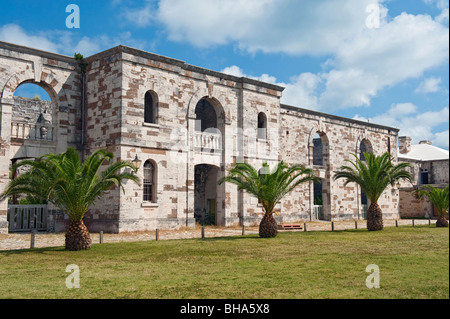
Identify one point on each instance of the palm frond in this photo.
(374, 174)
(269, 187)
(69, 184)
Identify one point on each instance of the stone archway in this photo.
(319, 149)
(58, 76)
(207, 195)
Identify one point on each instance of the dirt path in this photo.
(22, 241)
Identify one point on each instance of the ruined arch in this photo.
(47, 81)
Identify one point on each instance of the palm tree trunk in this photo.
(442, 221)
(374, 218)
(77, 236)
(268, 227)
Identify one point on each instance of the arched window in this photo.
(364, 147)
(149, 182)
(150, 107)
(262, 126)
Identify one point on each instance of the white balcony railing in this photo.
(32, 131)
(208, 142)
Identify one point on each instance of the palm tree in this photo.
(440, 199)
(373, 175)
(70, 185)
(268, 187)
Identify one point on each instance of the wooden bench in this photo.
(290, 227)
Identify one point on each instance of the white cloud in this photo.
(429, 85)
(441, 139)
(442, 5)
(362, 60)
(419, 126)
(142, 17)
(65, 42)
(379, 58)
(13, 33)
(288, 26)
(237, 71)
(300, 91)
(234, 70)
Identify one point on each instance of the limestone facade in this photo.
(188, 126)
(429, 166)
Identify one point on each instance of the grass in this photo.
(413, 263)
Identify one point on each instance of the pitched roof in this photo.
(425, 152)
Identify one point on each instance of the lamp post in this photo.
(136, 163)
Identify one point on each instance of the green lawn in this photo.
(413, 263)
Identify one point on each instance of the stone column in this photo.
(5, 141)
(190, 175)
(61, 129)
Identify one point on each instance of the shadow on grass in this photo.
(230, 238)
(29, 250)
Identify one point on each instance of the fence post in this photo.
(33, 234)
(396, 223)
(332, 226)
(101, 237)
(243, 230)
(157, 234)
(356, 224)
(429, 221)
(305, 227)
(413, 222)
(203, 232)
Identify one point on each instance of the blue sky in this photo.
(377, 60)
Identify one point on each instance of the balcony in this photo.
(29, 131)
(208, 142)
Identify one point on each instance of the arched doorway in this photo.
(32, 135)
(206, 194)
(321, 190)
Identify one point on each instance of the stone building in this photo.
(429, 166)
(188, 126)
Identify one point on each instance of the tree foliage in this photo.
(374, 174)
(269, 187)
(66, 182)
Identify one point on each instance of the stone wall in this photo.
(32, 110)
(57, 75)
(116, 83)
(438, 176)
(340, 138)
